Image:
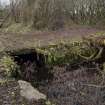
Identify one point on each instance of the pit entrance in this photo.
(32, 66)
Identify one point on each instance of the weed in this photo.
(8, 64)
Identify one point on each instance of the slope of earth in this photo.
(12, 41)
(78, 87)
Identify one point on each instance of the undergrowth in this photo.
(17, 28)
(8, 65)
(59, 54)
(68, 53)
(88, 51)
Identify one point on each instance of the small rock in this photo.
(29, 92)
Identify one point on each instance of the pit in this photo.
(63, 87)
(32, 66)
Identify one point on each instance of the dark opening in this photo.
(32, 67)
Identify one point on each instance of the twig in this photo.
(92, 85)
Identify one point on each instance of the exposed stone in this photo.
(29, 92)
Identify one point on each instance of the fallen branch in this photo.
(93, 85)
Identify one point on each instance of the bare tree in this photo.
(55, 13)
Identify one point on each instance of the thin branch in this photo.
(93, 85)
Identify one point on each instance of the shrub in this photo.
(62, 53)
(8, 65)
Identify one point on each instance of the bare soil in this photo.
(10, 95)
(10, 41)
(77, 87)
(74, 87)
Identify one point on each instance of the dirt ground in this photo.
(77, 87)
(10, 95)
(10, 41)
(67, 87)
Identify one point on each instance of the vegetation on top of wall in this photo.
(68, 53)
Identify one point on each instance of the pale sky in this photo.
(4, 1)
